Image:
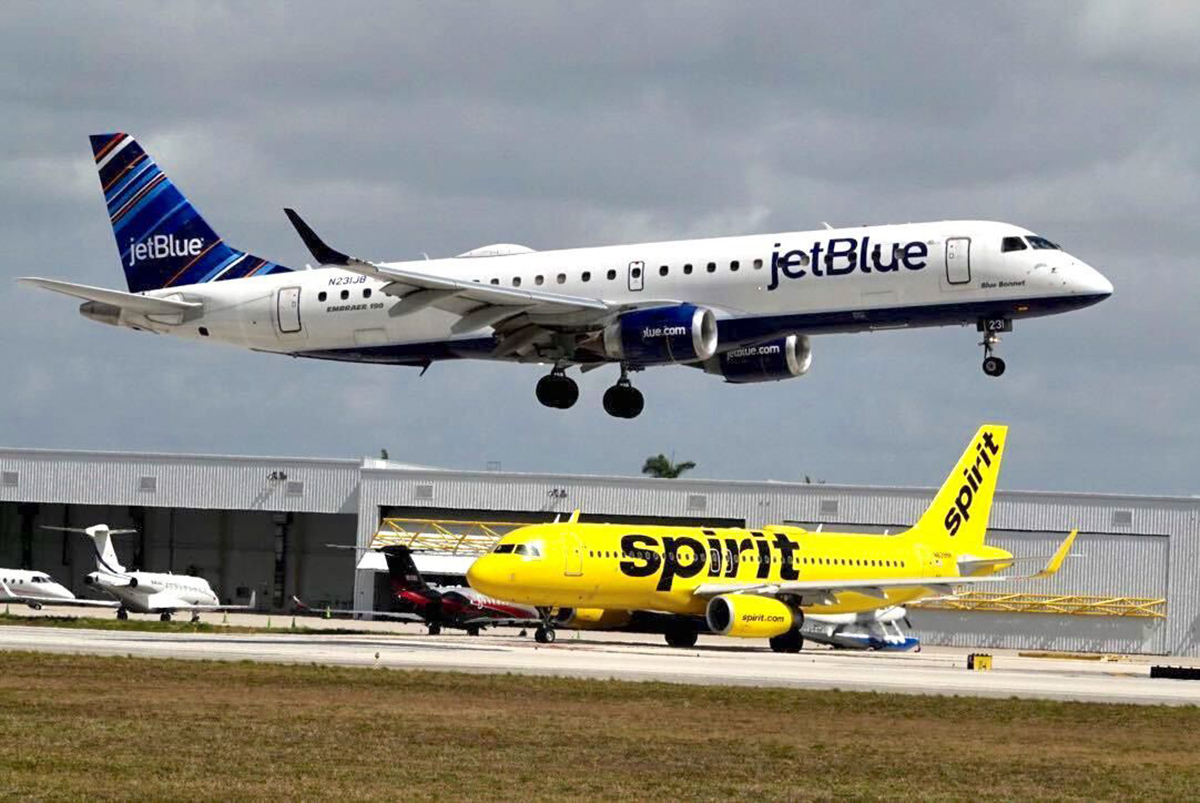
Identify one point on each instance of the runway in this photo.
(714, 661)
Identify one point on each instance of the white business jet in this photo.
(742, 308)
(146, 592)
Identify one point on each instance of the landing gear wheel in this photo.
(993, 366)
(122, 614)
(164, 617)
(557, 390)
(624, 401)
(544, 635)
(435, 629)
(790, 641)
(195, 618)
(472, 631)
(681, 636)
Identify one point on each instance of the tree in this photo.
(665, 467)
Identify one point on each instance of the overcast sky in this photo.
(438, 127)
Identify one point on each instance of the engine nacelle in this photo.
(783, 358)
(663, 335)
(749, 616)
(592, 618)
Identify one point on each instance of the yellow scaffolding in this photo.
(443, 535)
(1069, 604)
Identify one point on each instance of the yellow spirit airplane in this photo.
(758, 583)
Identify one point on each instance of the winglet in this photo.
(1060, 555)
(574, 517)
(320, 251)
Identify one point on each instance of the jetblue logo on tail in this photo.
(985, 449)
(162, 246)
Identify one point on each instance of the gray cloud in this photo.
(402, 129)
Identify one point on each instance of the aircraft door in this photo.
(288, 307)
(637, 275)
(958, 260)
(574, 556)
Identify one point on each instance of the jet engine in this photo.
(782, 358)
(663, 335)
(750, 616)
(591, 618)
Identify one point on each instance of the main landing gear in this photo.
(790, 641)
(164, 616)
(681, 634)
(557, 390)
(122, 614)
(545, 629)
(623, 400)
(991, 328)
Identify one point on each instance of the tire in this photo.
(164, 617)
(789, 642)
(623, 401)
(682, 637)
(435, 629)
(612, 401)
(122, 614)
(544, 635)
(568, 393)
(993, 366)
(635, 403)
(472, 631)
(545, 391)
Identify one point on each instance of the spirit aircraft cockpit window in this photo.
(504, 549)
(1042, 244)
(1012, 244)
(528, 550)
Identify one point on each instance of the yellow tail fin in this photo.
(959, 514)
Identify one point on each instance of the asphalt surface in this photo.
(714, 661)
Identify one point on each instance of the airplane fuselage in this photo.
(154, 592)
(759, 287)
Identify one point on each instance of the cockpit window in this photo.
(1042, 244)
(1011, 244)
(529, 550)
(504, 549)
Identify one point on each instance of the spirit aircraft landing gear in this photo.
(623, 400)
(991, 328)
(556, 389)
(545, 629)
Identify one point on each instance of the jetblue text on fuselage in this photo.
(844, 255)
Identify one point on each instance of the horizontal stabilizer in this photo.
(142, 305)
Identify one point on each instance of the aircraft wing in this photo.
(826, 591)
(249, 606)
(531, 315)
(142, 305)
(302, 609)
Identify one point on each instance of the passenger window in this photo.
(321, 296)
(539, 279)
(1011, 244)
(495, 281)
(561, 278)
(662, 271)
(734, 265)
(712, 267)
(367, 293)
(758, 264)
(636, 273)
(345, 294)
(516, 281)
(612, 274)
(587, 276)
(687, 269)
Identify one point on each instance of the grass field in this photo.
(181, 625)
(124, 727)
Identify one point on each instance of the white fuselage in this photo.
(154, 592)
(759, 287)
(33, 584)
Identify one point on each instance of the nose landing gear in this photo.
(623, 400)
(991, 328)
(558, 390)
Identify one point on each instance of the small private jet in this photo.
(163, 593)
(35, 589)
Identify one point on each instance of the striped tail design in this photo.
(162, 239)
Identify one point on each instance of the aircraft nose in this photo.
(1089, 281)
(484, 574)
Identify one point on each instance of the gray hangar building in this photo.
(284, 526)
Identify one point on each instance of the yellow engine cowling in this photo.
(749, 616)
(591, 618)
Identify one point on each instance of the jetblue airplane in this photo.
(742, 308)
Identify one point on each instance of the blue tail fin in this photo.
(162, 240)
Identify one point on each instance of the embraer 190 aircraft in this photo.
(742, 308)
(759, 583)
